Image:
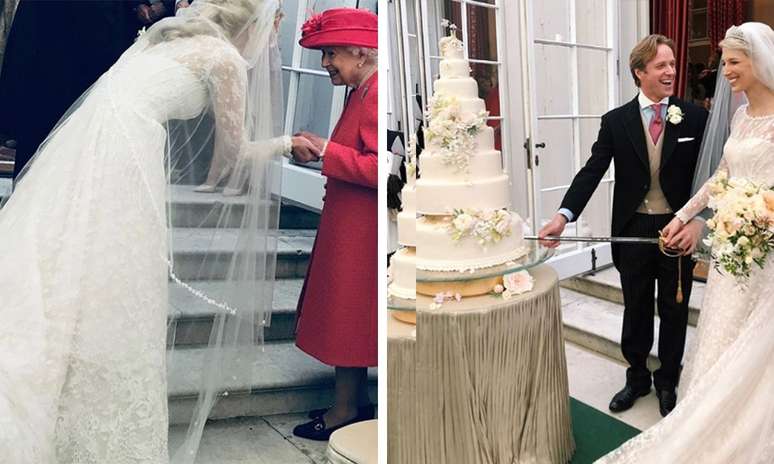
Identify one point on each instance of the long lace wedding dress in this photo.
(726, 412)
(84, 260)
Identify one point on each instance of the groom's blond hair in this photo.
(645, 50)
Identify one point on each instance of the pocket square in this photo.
(685, 139)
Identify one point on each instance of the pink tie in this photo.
(656, 123)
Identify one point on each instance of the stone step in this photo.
(190, 318)
(293, 250)
(595, 324)
(194, 209)
(5, 188)
(606, 285)
(284, 380)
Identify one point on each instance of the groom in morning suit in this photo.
(654, 151)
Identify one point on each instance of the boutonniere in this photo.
(675, 114)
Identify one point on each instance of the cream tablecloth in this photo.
(402, 444)
(489, 383)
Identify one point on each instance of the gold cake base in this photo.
(463, 287)
(409, 317)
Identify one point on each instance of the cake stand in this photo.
(475, 282)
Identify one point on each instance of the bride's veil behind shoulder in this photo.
(223, 248)
(197, 92)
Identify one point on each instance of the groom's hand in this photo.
(688, 237)
(555, 227)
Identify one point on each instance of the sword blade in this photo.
(641, 240)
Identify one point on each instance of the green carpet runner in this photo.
(596, 433)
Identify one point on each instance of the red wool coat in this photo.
(337, 311)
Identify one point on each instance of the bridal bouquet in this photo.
(742, 229)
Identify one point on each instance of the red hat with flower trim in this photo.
(341, 27)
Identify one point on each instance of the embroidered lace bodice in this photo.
(748, 153)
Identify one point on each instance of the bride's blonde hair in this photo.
(230, 16)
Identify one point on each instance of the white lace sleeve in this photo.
(228, 87)
(698, 202)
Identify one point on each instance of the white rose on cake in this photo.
(463, 222)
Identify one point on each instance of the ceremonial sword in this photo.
(641, 240)
(671, 252)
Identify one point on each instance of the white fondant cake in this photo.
(437, 250)
(407, 219)
(463, 192)
(403, 270)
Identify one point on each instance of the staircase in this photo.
(286, 379)
(592, 313)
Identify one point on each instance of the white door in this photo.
(571, 77)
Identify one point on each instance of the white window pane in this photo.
(552, 19)
(313, 106)
(287, 32)
(596, 215)
(552, 79)
(591, 22)
(285, 86)
(556, 159)
(482, 33)
(593, 74)
(550, 202)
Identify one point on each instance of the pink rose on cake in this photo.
(517, 283)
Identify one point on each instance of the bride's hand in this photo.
(671, 229)
(303, 150)
(688, 237)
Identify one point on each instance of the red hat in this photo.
(341, 27)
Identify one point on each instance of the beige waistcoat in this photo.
(655, 202)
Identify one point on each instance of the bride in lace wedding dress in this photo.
(726, 414)
(88, 250)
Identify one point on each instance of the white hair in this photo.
(371, 54)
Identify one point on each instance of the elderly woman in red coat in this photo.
(337, 312)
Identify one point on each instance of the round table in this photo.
(490, 381)
(402, 444)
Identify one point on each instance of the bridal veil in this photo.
(221, 257)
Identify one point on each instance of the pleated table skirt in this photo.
(484, 381)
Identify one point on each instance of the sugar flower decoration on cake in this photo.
(487, 227)
(440, 298)
(515, 283)
(675, 114)
(450, 46)
(411, 161)
(453, 130)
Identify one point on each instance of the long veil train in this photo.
(106, 248)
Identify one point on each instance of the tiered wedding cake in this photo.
(403, 263)
(462, 191)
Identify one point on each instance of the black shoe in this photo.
(666, 401)
(317, 430)
(625, 398)
(366, 412)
